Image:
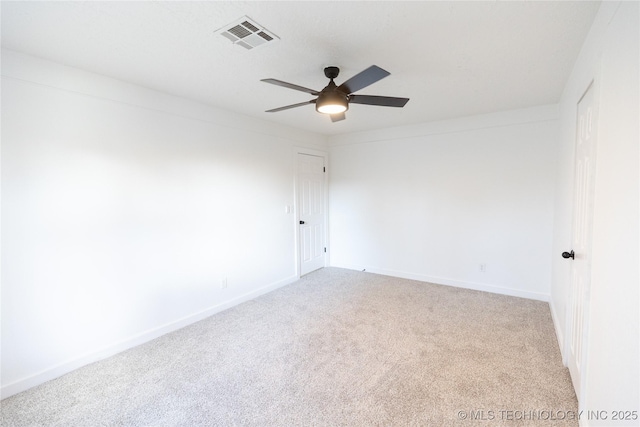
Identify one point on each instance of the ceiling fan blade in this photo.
(290, 106)
(383, 101)
(290, 86)
(338, 117)
(363, 79)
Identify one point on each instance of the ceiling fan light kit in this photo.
(334, 100)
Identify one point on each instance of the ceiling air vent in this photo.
(247, 33)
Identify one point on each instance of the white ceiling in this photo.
(452, 59)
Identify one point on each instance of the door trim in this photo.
(296, 207)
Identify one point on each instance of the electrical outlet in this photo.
(223, 283)
(483, 267)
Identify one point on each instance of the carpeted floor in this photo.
(338, 347)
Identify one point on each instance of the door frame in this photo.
(296, 204)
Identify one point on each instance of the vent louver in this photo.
(247, 33)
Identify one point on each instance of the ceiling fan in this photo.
(334, 100)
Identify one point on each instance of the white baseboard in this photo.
(452, 282)
(86, 359)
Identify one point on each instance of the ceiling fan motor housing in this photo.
(331, 100)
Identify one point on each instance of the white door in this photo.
(311, 172)
(581, 239)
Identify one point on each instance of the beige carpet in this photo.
(338, 347)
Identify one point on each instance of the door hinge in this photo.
(325, 250)
(324, 169)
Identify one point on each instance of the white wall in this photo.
(433, 202)
(122, 211)
(610, 57)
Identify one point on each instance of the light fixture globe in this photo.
(332, 102)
